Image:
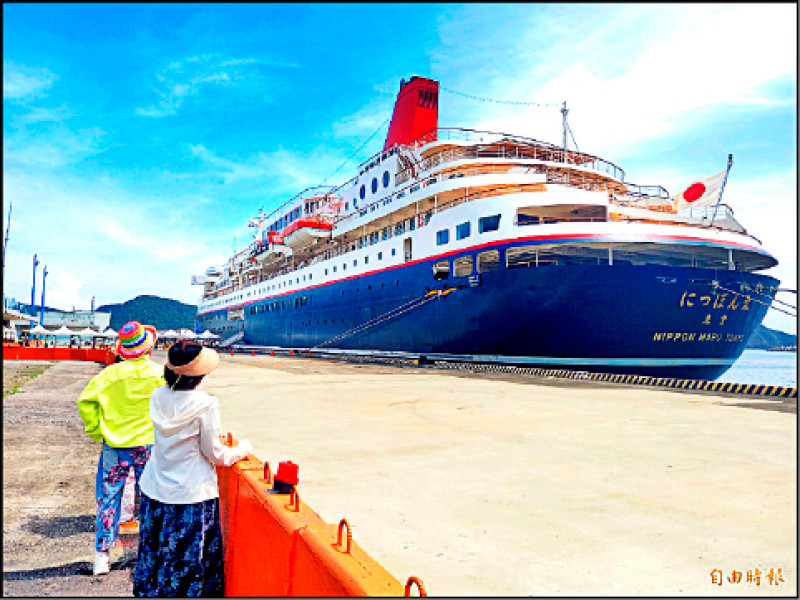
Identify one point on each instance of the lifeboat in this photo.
(305, 232)
(270, 248)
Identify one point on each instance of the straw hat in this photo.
(135, 339)
(202, 364)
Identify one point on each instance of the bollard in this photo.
(291, 352)
(272, 352)
(309, 354)
(254, 352)
(231, 351)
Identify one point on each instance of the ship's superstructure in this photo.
(480, 245)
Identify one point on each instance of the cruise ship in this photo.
(466, 245)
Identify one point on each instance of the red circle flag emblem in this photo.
(694, 191)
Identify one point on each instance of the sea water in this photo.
(763, 367)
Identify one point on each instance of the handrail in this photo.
(523, 149)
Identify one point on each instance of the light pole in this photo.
(41, 313)
(33, 287)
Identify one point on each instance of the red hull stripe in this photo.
(534, 238)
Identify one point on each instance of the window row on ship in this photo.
(460, 264)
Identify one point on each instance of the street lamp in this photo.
(41, 313)
(33, 287)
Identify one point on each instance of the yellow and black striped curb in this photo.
(664, 382)
(745, 389)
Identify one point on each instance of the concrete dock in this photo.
(503, 485)
(480, 485)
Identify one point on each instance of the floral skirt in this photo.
(180, 550)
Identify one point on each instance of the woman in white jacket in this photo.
(180, 540)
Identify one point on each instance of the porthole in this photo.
(363, 192)
(386, 179)
(374, 184)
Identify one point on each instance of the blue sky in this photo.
(138, 139)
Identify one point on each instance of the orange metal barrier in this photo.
(100, 355)
(276, 545)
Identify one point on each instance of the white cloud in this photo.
(55, 146)
(23, 83)
(687, 60)
(180, 81)
(287, 172)
(97, 241)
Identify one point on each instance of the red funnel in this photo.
(416, 111)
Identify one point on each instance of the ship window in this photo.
(462, 266)
(386, 179)
(355, 262)
(442, 237)
(362, 192)
(346, 205)
(380, 255)
(491, 223)
(344, 266)
(394, 251)
(374, 184)
(488, 261)
(441, 270)
(462, 231)
(334, 268)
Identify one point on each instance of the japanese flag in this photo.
(701, 193)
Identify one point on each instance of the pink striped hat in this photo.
(135, 339)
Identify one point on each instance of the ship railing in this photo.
(554, 176)
(513, 146)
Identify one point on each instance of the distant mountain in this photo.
(764, 338)
(161, 313)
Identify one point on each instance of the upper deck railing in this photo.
(504, 146)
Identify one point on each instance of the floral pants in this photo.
(112, 470)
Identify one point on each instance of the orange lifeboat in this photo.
(270, 248)
(304, 232)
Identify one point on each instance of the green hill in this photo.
(764, 338)
(161, 313)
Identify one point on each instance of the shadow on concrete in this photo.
(79, 568)
(60, 527)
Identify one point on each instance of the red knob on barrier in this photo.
(291, 352)
(272, 352)
(342, 524)
(309, 354)
(231, 351)
(254, 352)
(416, 580)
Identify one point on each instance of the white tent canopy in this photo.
(87, 332)
(169, 334)
(207, 335)
(187, 334)
(63, 330)
(39, 330)
(109, 333)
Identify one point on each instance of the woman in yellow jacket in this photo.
(114, 408)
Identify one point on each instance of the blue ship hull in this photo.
(650, 320)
